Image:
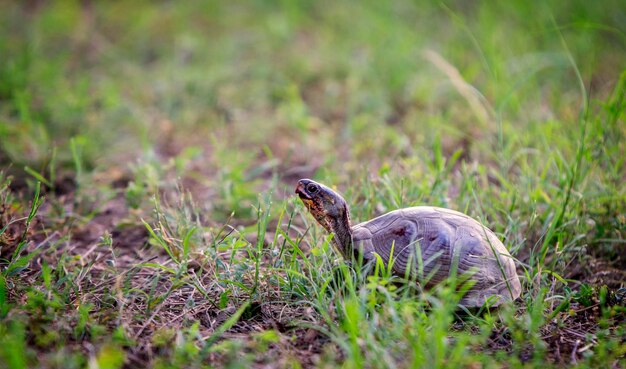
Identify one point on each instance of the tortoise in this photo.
(423, 242)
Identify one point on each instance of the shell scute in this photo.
(428, 241)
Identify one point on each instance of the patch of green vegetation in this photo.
(149, 150)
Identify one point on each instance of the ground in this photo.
(149, 152)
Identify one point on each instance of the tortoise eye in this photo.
(312, 189)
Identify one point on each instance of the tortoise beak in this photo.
(301, 191)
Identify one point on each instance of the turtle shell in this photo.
(430, 244)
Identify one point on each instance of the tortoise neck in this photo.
(340, 226)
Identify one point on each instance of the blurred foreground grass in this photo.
(149, 152)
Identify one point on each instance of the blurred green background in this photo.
(333, 78)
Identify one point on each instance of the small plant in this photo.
(584, 295)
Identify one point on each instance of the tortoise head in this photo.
(326, 206)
